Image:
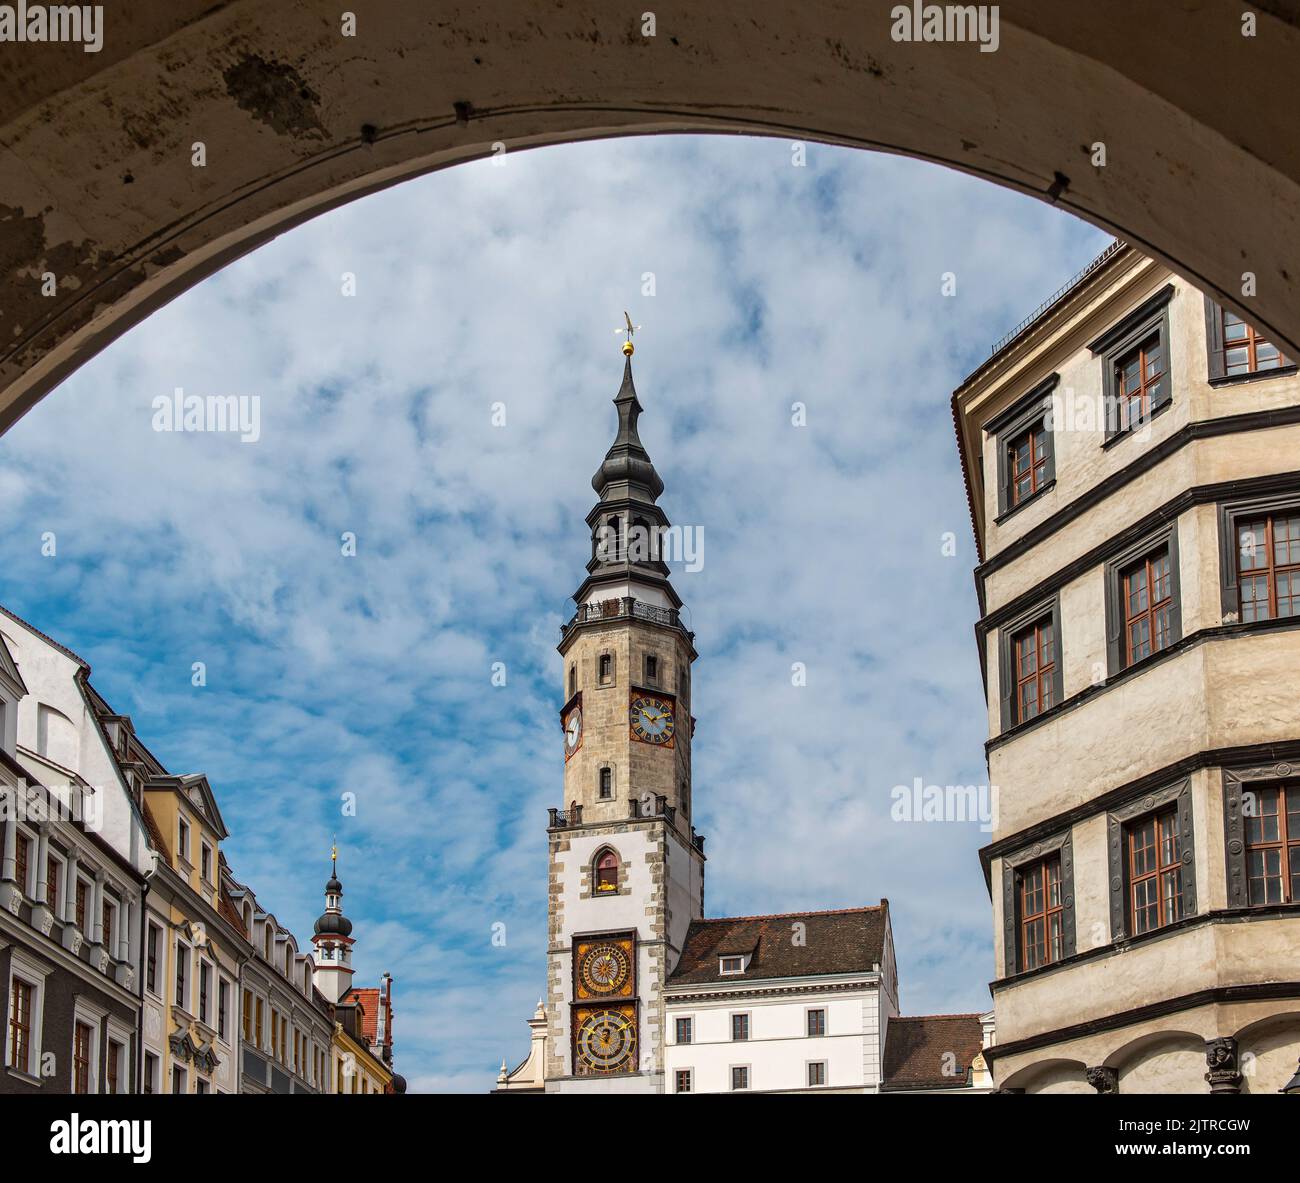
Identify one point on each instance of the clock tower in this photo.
(626, 865)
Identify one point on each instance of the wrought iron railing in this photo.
(623, 607)
(1059, 294)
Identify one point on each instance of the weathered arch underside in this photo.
(97, 185)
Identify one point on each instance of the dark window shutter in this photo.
(1058, 674)
(1214, 338)
(1006, 677)
(1114, 621)
(1175, 589)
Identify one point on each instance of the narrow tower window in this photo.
(606, 784)
(573, 680)
(606, 669)
(607, 871)
(651, 668)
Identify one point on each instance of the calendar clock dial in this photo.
(605, 969)
(651, 718)
(605, 1040)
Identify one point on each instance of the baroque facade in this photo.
(644, 994)
(1130, 456)
(131, 959)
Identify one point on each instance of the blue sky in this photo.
(372, 674)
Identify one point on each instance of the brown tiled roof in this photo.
(155, 834)
(229, 913)
(931, 1051)
(848, 941)
(367, 1000)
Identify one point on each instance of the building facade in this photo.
(131, 959)
(640, 995)
(72, 879)
(1131, 459)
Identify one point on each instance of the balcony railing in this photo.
(623, 607)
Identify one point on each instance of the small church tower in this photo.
(333, 941)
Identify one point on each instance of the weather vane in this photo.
(628, 347)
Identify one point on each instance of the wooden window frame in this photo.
(1117, 646)
(823, 1073)
(181, 984)
(744, 1019)
(1284, 844)
(689, 1074)
(808, 1022)
(1177, 797)
(24, 845)
(1117, 343)
(1013, 866)
(1232, 514)
(1029, 413)
(23, 968)
(732, 1069)
(689, 1022)
(1164, 823)
(1216, 347)
(1049, 867)
(1009, 681)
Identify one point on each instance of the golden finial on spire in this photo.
(628, 347)
(334, 854)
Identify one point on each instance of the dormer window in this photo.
(732, 965)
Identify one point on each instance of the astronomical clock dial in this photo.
(605, 1040)
(605, 969)
(651, 719)
(572, 732)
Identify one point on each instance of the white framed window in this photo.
(181, 994)
(117, 1058)
(816, 1073)
(205, 862)
(684, 1080)
(86, 1023)
(740, 1026)
(153, 971)
(109, 914)
(815, 1021)
(225, 993)
(54, 879)
(205, 990)
(25, 1020)
(26, 845)
(180, 1080)
(739, 1077)
(182, 838)
(152, 1066)
(683, 1029)
(731, 965)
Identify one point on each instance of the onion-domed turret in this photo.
(332, 939)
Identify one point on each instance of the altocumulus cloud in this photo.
(328, 675)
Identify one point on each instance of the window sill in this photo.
(25, 1077)
(1034, 496)
(1130, 432)
(1253, 376)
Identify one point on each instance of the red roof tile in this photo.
(931, 1051)
(155, 834)
(368, 998)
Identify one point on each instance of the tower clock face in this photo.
(651, 719)
(606, 1040)
(572, 732)
(605, 969)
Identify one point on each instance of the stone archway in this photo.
(100, 192)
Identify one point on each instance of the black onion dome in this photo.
(334, 887)
(627, 461)
(334, 924)
(399, 1084)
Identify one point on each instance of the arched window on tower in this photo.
(612, 542)
(607, 871)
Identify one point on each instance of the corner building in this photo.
(1132, 456)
